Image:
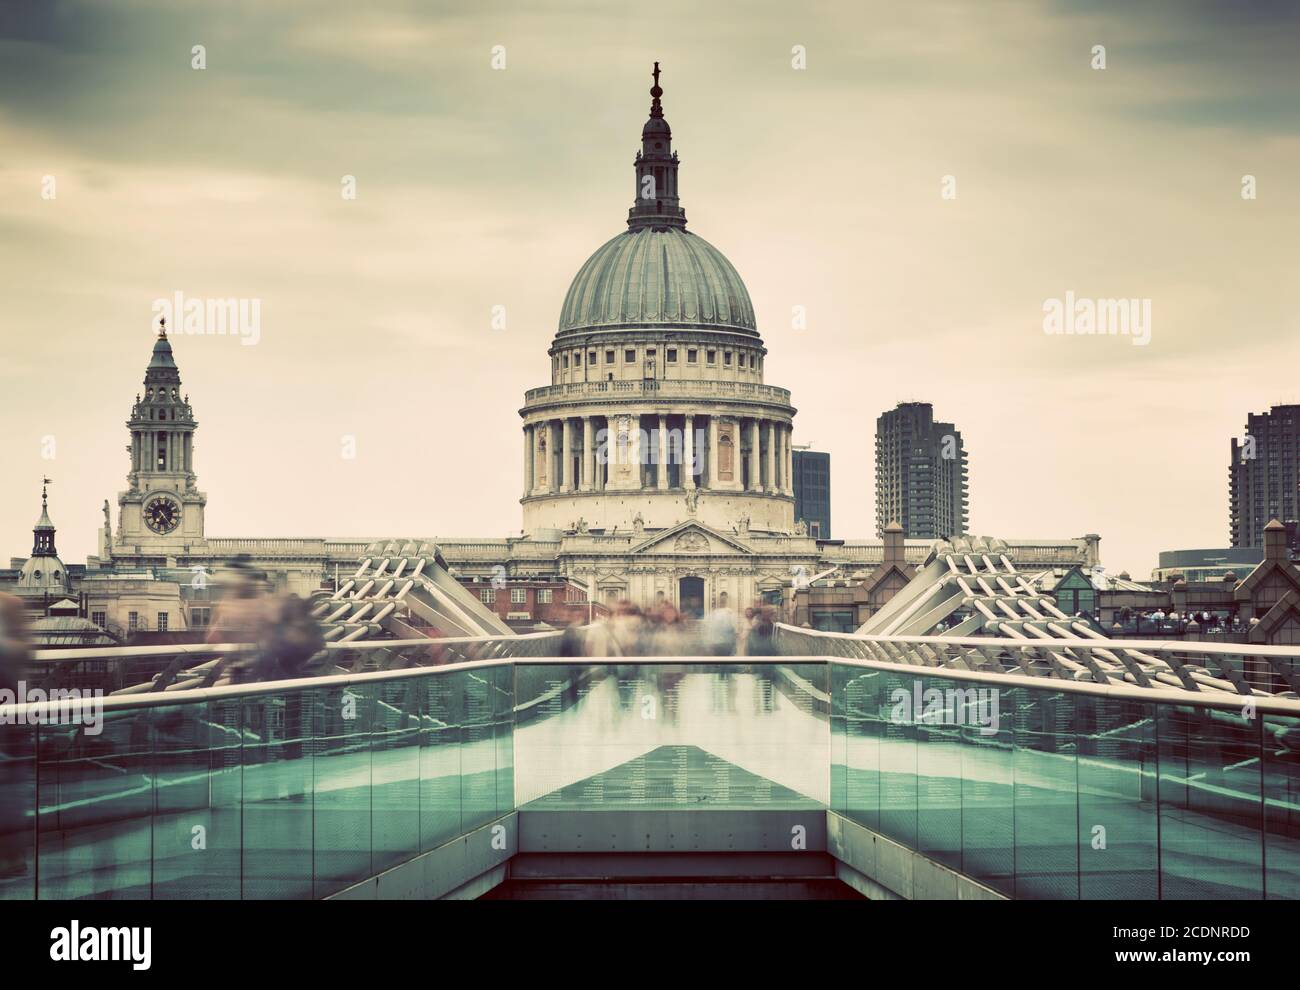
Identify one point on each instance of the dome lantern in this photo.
(656, 204)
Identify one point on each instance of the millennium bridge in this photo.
(1006, 751)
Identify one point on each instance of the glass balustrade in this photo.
(300, 790)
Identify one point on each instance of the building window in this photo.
(629, 355)
(672, 355)
(200, 618)
(488, 596)
(565, 361)
(544, 596)
(518, 596)
(162, 621)
(692, 355)
(609, 357)
(711, 357)
(726, 358)
(591, 357)
(100, 619)
(132, 621)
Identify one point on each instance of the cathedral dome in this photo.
(657, 277)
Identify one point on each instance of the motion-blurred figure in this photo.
(718, 633)
(290, 637)
(17, 780)
(282, 628)
(762, 632)
(239, 615)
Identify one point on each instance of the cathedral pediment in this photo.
(691, 538)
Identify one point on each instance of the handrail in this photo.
(986, 642)
(114, 652)
(1199, 699)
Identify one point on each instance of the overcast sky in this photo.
(479, 187)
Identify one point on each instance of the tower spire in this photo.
(656, 108)
(43, 531)
(656, 205)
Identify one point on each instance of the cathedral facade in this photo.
(657, 464)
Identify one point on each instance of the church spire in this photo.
(656, 204)
(43, 532)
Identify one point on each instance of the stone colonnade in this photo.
(657, 451)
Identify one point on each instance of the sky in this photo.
(127, 175)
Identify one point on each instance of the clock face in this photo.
(162, 515)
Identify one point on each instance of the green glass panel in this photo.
(395, 770)
(840, 675)
(863, 724)
(17, 811)
(503, 717)
(988, 796)
(1046, 797)
(278, 793)
(342, 719)
(1211, 812)
(440, 780)
(96, 800)
(898, 744)
(1282, 807)
(478, 757)
(1118, 827)
(939, 767)
(197, 840)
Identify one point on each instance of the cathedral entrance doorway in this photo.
(690, 596)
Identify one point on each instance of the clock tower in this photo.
(161, 512)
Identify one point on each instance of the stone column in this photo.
(588, 455)
(566, 455)
(528, 461)
(661, 473)
(553, 443)
(598, 479)
(754, 485)
(713, 452)
(780, 458)
(789, 458)
(189, 453)
(688, 454)
(771, 456)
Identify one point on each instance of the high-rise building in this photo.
(811, 475)
(920, 473)
(1264, 477)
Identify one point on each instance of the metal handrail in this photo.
(988, 642)
(1199, 699)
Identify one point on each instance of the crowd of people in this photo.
(281, 627)
(663, 630)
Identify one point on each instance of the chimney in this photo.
(1091, 550)
(1275, 541)
(894, 550)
